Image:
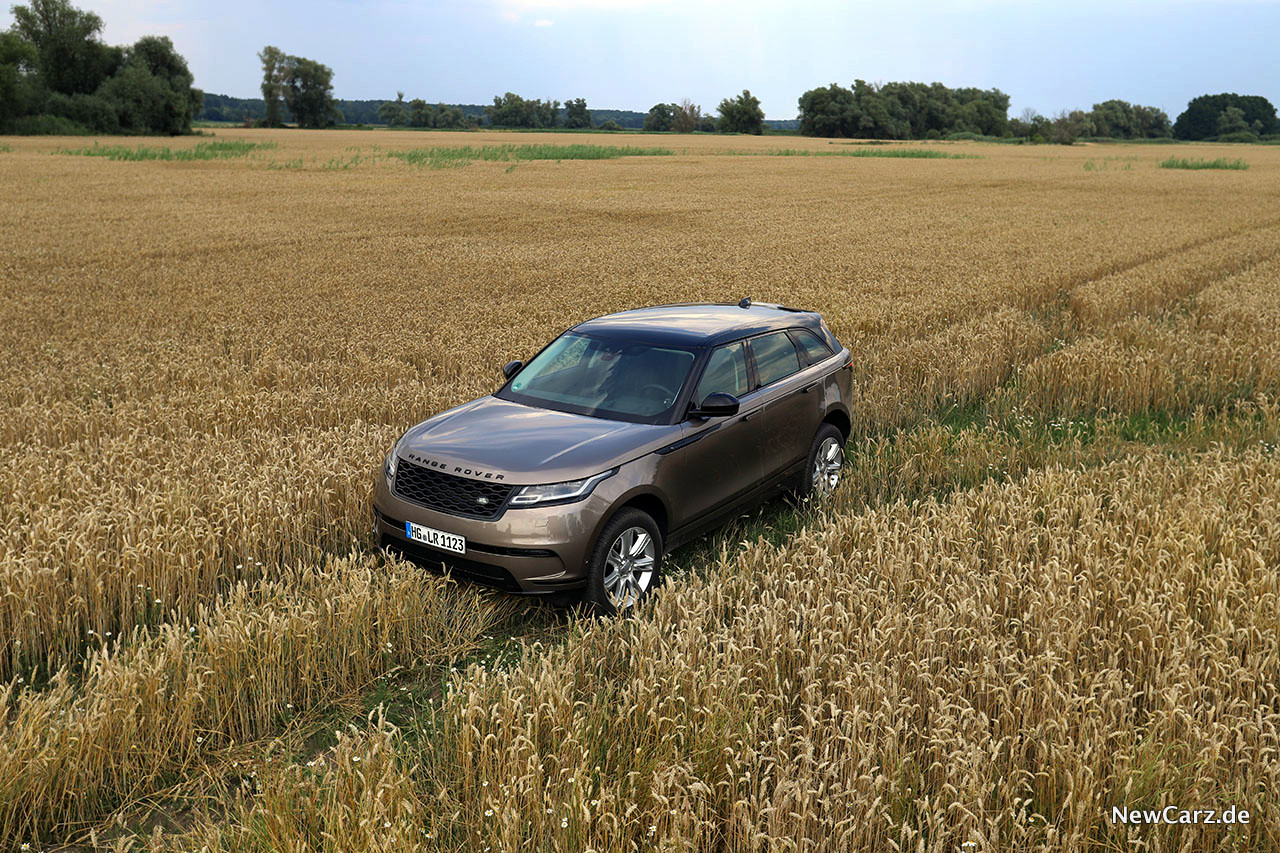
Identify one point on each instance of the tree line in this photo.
(57, 76)
(934, 111)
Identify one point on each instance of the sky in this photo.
(630, 54)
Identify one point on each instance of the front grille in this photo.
(447, 493)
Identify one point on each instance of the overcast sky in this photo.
(630, 54)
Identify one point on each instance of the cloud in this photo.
(543, 22)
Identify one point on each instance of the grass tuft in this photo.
(903, 153)
(1201, 163)
(441, 158)
(230, 149)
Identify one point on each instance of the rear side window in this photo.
(775, 357)
(726, 373)
(814, 348)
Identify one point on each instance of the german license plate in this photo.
(435, 538)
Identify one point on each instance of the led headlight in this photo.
(574, 490)
(389, 464)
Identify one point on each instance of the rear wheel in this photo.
(625, 564)
(826, 464)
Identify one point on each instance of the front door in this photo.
(717, 459)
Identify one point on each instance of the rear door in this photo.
(719, 459)
(792, 409)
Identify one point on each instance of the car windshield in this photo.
(604, 378)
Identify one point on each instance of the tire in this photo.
(616, 583)
(812, 485)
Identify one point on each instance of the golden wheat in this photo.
(206, 360)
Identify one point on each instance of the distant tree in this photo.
(1200, 119)
(394, 113)
(610, 124)
(576, 113)
(511, 110)
(707, 124)
(17, 61)
(421, 114)
(660, 117)
(153, 92)
(449, 116)
(686, 116)
(70, 58)
(828, 111)
(1231, 120)
(741, 114)
(274, 64)
(1069, 126)
(1122, 120)
(308, 92)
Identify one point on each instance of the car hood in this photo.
(497, 439)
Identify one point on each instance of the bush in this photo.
(92, 111)
(1238, 136)
(46, 125)
(610, 125)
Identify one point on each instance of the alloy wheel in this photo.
(826, 468)
(629, 567)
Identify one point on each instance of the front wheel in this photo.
(826, 463)
(625, 564)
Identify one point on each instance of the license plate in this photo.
(435, 538)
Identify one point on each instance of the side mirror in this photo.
(509, 369)
(717, 405)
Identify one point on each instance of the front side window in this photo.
(602, 377)
(775, 357)
(726, 373)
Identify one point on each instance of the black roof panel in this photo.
(696, 325)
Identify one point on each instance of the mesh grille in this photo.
(447, 493)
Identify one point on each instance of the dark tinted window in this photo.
(726, 373)
(814, 348)
(775, 357)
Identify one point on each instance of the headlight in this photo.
(574, 490)
(389, 464)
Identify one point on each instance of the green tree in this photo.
(17, 62)
(308, 92)
(707, 124)
(421, 114)
(449, 117)
(153, 92)
(274, 65)
(70, 58)
(741, 114)
(1200, 119)
(660, 117)
(686, 116)
(393, 113)
(511, 110)
(576, 113)
(1231, 120)
(828, 111)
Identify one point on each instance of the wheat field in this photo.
(1049, 586)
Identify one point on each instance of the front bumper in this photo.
(526, 550)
